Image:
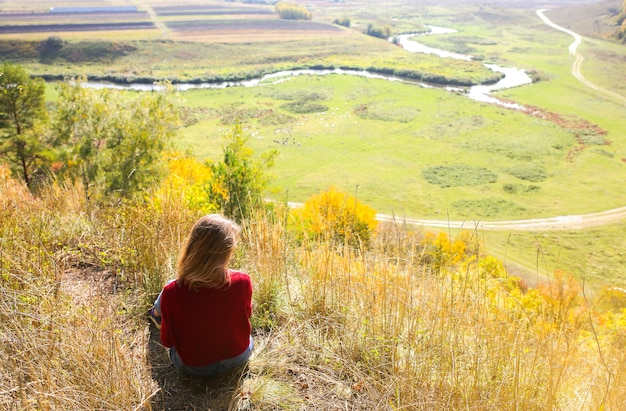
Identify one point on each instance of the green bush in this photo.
(520, 188)
(101, 51)
(459, 175)
(386, 112)
(304, 107)
(378, 32)
(529, 172)
(17, 50)
(342, 21)
(304, 95)
(291, 11)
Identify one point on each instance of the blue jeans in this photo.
(214, 368)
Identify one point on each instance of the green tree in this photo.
(379, 32)
(143, 127)
(22, 109)
(239, 180)
(113, 141)
(81, 122)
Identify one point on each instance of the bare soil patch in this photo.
(235, 25)
(180, 392)
(38, 28)
(214, 9)
(84, 284)
(60, 18)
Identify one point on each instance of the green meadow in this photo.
(383, 136)
(376, 139)
(594, 257)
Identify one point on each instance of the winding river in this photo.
(513, 77)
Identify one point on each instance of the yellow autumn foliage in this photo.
(337, 216)
(187, 180)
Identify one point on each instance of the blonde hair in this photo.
(204, 259)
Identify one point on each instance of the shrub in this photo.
(304, 107)
(291, 11)
(98, 51)
(386, 112)
(459, 175)
(520, 188)
(488, 207)
(17, 50)
(529, 172)
(442, 251)
(239, 180)
(336, 216)
(186, 182)
(379, 32)
(342, 21)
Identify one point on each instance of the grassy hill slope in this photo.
(417, 321)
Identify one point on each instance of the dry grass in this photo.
(415, 322)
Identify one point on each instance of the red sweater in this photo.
(210, 324)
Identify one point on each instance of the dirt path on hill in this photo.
(569, 222)
(154, 18)
(579, 58)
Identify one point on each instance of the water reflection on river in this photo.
(513, 77)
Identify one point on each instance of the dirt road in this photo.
(569, 222)
(573, 51)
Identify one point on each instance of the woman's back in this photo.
(208, 324)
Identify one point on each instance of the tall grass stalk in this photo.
(58, 352)
(398, 333)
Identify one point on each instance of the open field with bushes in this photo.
(430, 153)
(538, 164)
(218, 40)
(405, 132)
(412, 318)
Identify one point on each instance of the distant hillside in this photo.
(592, 20)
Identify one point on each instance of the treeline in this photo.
(54, 48)
(119, 146)
(379, 32)
(292, 11)
(104, 139)
(115, 145)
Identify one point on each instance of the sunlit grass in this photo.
(417, 320)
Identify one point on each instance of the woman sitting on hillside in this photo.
(204, 315)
